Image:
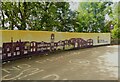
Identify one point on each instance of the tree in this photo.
(115, 22)
(45, 16)
(62, 16)
(92, 16)
(16, 13)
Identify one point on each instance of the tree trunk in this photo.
(3, 26)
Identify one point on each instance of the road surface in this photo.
(98, 63)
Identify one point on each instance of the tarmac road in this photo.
(98, 63)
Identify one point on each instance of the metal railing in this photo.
(115, 41)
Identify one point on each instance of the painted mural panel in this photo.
(20, 44)
(98, 38)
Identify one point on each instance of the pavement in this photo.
(98, 63)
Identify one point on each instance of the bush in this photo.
(116, 32)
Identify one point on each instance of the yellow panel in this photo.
(46, 35)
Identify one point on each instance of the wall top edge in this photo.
(46, 31)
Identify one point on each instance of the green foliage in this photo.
(92, 16)
(116, 32)
(16, 14)
(116, 17)
(45, 16)
(57, 16)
